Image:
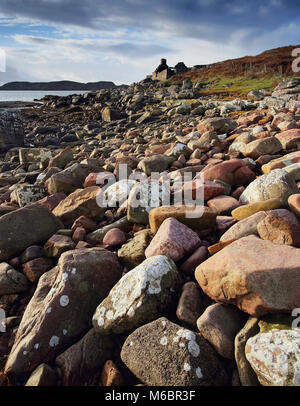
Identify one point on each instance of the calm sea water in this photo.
(28, 95)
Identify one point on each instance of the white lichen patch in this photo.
(199, 373)
(186, 367)
(275, 357)
(54, 340)
(64, 300)
(164, 340)
(49, 310)
(128, 294)
(36, 346)
(190, 339)
(64, 331)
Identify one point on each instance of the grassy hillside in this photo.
(236, 77)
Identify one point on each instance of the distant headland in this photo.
(63, 85)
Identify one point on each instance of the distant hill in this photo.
(236, 77)
(59, 85)
(276, 61)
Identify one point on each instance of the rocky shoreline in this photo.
(126, 295)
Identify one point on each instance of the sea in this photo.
(29, 96)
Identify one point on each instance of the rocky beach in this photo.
(147, 294)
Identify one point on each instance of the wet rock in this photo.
(141, 295)
(16, 235)
(247, 273)
(244, 227)
(162, 353)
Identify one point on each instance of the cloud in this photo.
(123, 40)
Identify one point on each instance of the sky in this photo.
(123, 40)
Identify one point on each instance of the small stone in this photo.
(246, 374)
(223, 204)
(191, 263)
(173, 239)
(43, 375)
(114, 237)
(281, 227)
(219, 324)
(132, 253)
(249, 210)
(163, 353)
(11, 281)
(58, 244)
(110, 375)
(192, 304)
(294, 203)
(35, 268)
(199, 219)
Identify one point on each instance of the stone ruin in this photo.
(164, 72)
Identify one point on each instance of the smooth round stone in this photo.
(243, 212)
(114, 237)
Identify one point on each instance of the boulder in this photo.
(250, 209)
(247, 375)
(162, 353)
(219, 325)
(219, 124)
(81, 364)
(141, 295)
(25, 194)
(61, 309)
(276, 184)
(275, 357)
(11, 130)
(247, 273)
(16, 235)
(155, 163)
(68, 180)
(43, 375)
